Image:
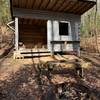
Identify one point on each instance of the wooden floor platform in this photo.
(23, 53)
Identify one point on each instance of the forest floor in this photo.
(20, 81)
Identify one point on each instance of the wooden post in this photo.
(0, 38)
(16, 34)
(50, 36)
(65, 44)
(77, 29)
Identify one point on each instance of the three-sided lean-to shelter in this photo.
(53, 24)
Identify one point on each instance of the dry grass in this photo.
(89, 44)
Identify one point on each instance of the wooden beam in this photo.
(67, 42)
(10, 25)
(50, 35)
(88, 1)
(38, 14)
(16, 33)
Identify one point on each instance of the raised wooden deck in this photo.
(23, 53)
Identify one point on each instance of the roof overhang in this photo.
(77, 7)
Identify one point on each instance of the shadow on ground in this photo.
(28, 84)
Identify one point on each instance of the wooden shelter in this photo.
(53, 24)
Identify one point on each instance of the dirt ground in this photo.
(20, 81)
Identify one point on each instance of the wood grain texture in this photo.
(58, 5)
(69, 6)
(76, 7)
(30, 34)
(84, 10)
(63, 5)
(33, 22)
(37, 4)
(44, 4)
(51, 4)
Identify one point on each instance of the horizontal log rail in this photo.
(63, 42)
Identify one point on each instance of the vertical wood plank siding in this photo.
(53, 34)
(31, 35)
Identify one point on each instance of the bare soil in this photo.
(20, 80)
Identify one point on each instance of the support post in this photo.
(16, 34)
(50, 36)
(77, 31)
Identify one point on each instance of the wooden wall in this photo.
(74, 30)
(32, 35)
